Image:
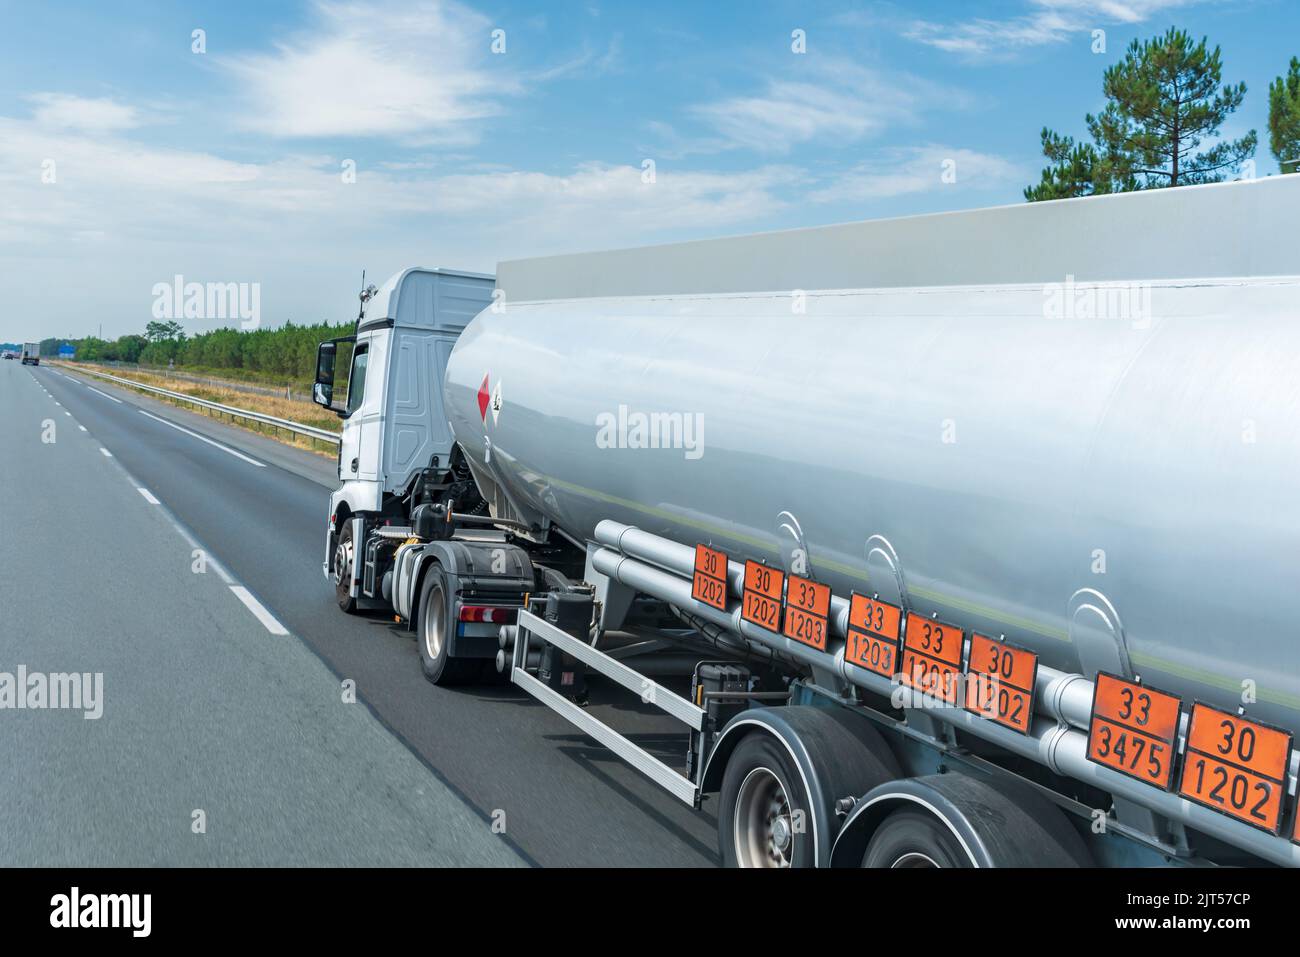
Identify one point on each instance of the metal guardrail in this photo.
(297, 427)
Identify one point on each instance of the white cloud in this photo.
(123, 215)
(423, 70)
(598, 202)
(65, 111)
(920, 169)
(837, 100)
(1047, 21)
(132, 194)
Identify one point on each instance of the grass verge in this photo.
(304, 413)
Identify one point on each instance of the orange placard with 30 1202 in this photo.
(761, 600)
(1236, 766)
(1000, 682)
(1134, 729)
(709, 583)
(807, 607)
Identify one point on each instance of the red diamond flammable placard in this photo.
(484, 399)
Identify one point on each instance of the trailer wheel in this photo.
(914, 840)
(436, 617)
(344, 555)
(764, 814)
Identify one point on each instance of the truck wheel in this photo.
(763, 815)
(344, 555)
(433, 634)
(912, 839)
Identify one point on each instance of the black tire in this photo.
(434, 616)
(914, 839)
(760, 787)
(344, 555)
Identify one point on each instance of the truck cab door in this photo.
(363, 429)
(354, 421)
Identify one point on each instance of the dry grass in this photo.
(304, 413)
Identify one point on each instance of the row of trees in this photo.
(1160, 127)
(287, 353)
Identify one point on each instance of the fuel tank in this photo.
(1102, 472)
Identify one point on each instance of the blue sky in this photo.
(228, 165)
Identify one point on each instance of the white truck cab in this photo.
(396, 444)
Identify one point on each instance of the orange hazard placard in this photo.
(1134, 729)
(932, 657)
(1000, 682)
(1236, 766)
(807, 606)
(709, 584)
(934, 639)
(764, 588)
(875, 617)
(872, 640)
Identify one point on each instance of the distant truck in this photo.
(1065, 639)
(31, 353)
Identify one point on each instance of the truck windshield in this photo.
(357, 379)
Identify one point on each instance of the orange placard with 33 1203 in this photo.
(872, 640)
(931, 657)
(807, 607)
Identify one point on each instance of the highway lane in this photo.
(564, 800)
(202, 734)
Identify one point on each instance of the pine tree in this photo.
(1284, 119)
(1164, 102)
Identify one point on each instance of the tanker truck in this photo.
(974, 531)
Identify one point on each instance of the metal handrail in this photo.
(307, 430)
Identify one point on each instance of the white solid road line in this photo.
(255, 606)
(104, 394)
(148, 496)
(204, 438)
(106, 452)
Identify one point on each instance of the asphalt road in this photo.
(491, 751)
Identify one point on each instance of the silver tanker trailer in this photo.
(974, 532)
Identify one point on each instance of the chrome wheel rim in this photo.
(433, 626)
(343, 564)
(914, 860)
(764, 831)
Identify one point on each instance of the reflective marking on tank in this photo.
(795, 554)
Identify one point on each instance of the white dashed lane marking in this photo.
(204, 438)
(252, 604)
(104, 394)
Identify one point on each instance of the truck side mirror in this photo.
(322, 393)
